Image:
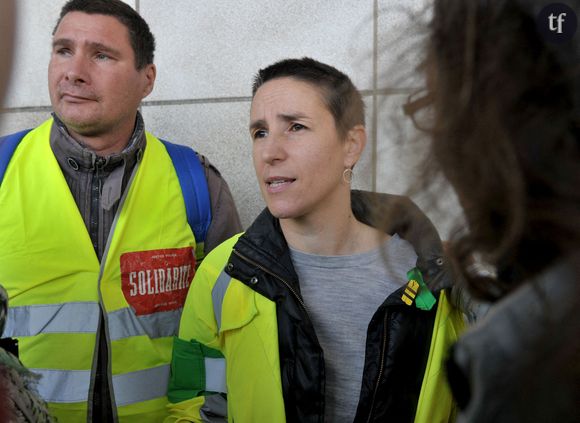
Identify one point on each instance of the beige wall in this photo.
(207, 53)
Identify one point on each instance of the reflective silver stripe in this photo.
(124, 323)
(215, 375)
(214, 409)
(217, 294)
(66, 386)
(84, 318)
(142, 385)
(78, 317)
(63, 386)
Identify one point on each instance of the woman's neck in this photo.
(337, 235)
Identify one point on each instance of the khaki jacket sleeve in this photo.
(225, 221)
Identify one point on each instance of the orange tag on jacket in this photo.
(157, 280)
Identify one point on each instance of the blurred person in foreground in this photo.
(299, 319)
(19, 401)
(7, 24)
(504, 120)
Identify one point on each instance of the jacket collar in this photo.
(264, 241)
(67, 148)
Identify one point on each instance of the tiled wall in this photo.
(207, 54)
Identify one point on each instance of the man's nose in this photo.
(77, 70)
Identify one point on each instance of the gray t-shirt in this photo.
(342, 293)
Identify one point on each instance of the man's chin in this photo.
(84, 128)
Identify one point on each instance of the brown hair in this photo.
(340, 95)
(505, 134)
(141, 38)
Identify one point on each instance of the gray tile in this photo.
(13, 122)
(213, 49)
(28, 85)
(399, 150)
(402, 30)
(220, 132)
(443, 209)
(400, 153)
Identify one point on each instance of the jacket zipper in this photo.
(294, 293)
(259, 266)
(381, 368)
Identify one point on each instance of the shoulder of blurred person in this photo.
(530, 336)
(19, 399)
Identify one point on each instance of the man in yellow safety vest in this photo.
(98, 249)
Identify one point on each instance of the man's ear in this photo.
(149, 74)
(355, 142)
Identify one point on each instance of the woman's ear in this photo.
(355, 142)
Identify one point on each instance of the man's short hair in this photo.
(339, 93)
(140, 36)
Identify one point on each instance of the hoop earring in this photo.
(347, 175)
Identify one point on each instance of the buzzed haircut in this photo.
(141, 38)
(339, 93)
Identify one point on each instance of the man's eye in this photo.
(62, 51)
(260, 133)
(102, 56)
(295, 127)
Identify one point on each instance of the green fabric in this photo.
(199, 252)
(425, 300)
(188, 369)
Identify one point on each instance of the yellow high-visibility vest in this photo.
(57, 286)
(436, 404)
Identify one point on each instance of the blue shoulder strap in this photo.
(8, 145)
(189, 172)
(195, 191)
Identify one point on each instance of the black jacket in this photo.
(398, 336)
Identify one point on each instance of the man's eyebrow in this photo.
(61, 42)
(94, 45)
(105, 48)
(260, 123)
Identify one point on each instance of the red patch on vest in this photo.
(157, 280)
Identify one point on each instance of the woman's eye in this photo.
(296, 127)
